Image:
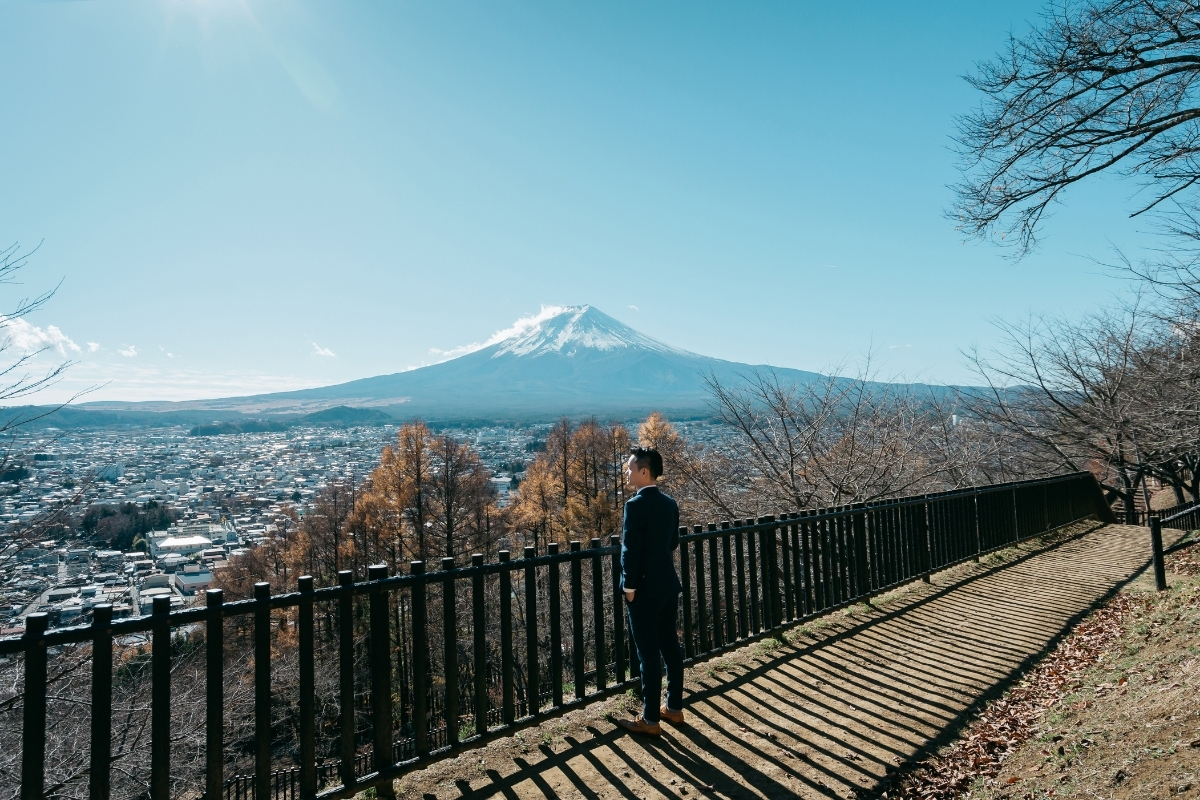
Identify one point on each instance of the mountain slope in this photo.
(579, 360)
(571, 360)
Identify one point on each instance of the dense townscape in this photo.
(121, 517)
(212, 497)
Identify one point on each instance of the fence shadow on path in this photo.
(834, 712)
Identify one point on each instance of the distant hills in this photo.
(572, 361)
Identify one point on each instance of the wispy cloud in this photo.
(26, 336)
(93, 346)
(164, 350)
(521, 326)
(141, 379)
(635, 308)
(322, 351)
(128, 352)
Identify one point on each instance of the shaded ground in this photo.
(831, 711)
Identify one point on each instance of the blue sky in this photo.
(242, 196)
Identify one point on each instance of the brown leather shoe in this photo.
(673, 717)
(639, 725)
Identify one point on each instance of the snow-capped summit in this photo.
(567, 330)
(569, 360)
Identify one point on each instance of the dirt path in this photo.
(831, 711)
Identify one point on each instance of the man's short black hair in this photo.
(648, 458)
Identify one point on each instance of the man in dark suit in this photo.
(649, 537)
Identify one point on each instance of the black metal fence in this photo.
(444, 659)
(1183, 517)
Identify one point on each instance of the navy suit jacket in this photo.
(649, 536)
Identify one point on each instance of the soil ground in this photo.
(833, 708)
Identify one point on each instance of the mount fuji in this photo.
(567, 360)
(570, 360)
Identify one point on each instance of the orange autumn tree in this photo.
(575, 488)
(430, 496)
(596, 478)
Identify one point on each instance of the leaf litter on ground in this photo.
(1005, 724)
(1014, 718)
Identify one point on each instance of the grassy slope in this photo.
(1125, 725)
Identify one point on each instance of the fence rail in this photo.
(445, 659)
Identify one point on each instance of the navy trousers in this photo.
(652, 624)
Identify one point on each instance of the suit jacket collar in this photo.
(651, 487)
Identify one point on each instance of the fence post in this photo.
(507, 712)
(1016, 517)
(554, 597)
(788, 609)
(160, 704)
(533, 684)
(729, 616)
(685, 576)
(701, 592)
(381, 677)
(743, 613)
(262, 689)
(450, 655)
(714, 577)
(791, 532)
(480, 646)
(101, 755)
(926, 541)
(777, 586)
(772, 538)
(346, 675)
(808, 566)
(978, 537)
(420, 652)
(752, 555)
(618, 611)
(307, 656)
(598, 615)
(765, 553)
(577, 620)
(33, 740)
(1045, 507)
(1156, 545)
(214, 693)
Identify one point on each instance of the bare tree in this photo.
(20, 377)
(710, 481)
(460, 494)
(1110, 393)
(1097, 87)
(831, 442)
